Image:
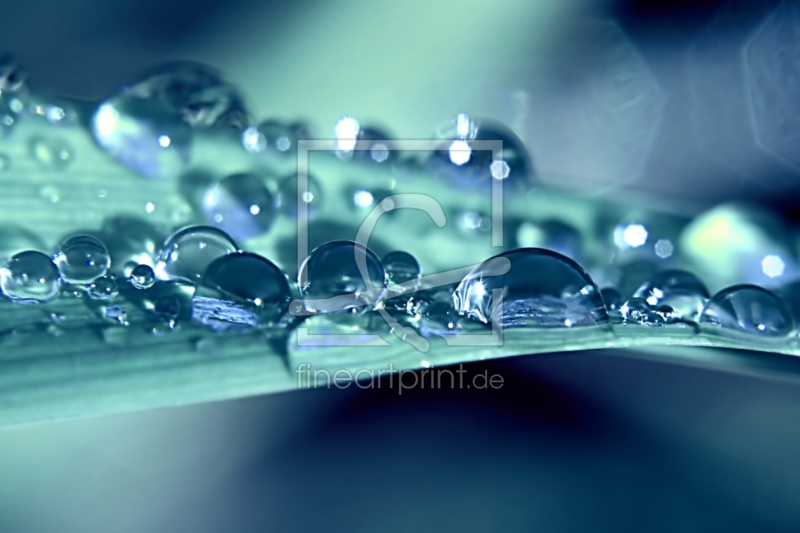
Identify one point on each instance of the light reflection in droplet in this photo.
(773, 266)
(346, 130)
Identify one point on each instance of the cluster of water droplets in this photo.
(199, 274)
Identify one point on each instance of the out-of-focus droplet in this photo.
(51, 152)
(330, 279)
(374, 146)
(748, 309)
(5, 162)
(401, 267)
(309, 193)
(30, 277)
(142, 277)
(678, 289)
(474, 223)
(241, 205)
(103, 288)
(539, 288)
(187, 253)
(274, 139)
(740, 244)
(13, 78)
(82, 259)
(147, 124)
(8, 118)
(476, 153)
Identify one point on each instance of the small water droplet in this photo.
(142, 277)
(539, 288)
(241, 205)
(5, 162)
(187, 253)
(82, 259)
(30, 277)
(51, 152)
(330, 280)
(401, 267)
(103, 288)
(273, 138)
(749, 309)
(678, 289)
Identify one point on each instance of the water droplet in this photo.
(638, 311)
(538, 287)
(187, 253)
(82, 259)
(330, 279)
(749, 309)
(147, 124)
(273, 138)
(241, 205)
(241, 280)
(103, 288)
(477, 153)
(678, 289)
(142, 277)
(473, 223)
(373, 145)
(116, 313)
(401, 267)
(5, 162)
(8, 118)
(30, 277)
(310, 194)
(12, 77)
(51, 152)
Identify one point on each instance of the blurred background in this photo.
(670, 105)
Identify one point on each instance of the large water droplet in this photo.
(240, 285)
(539, 288)
(678, 289)
(82, 259)
(401, 267)
(750, 309)
(310, 194)
(30, 277)
(146, 125)
(241, 205)
(330, 280)
(187, 253)
(51, 152)
(142, 277)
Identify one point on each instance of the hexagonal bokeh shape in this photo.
(594, 110)
(772, 69)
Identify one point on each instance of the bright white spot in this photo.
(254, 209)
(499, 169)
(257, 301)
(632, 235)
(16, 105)
(652, 300)
(463, 125)
(460, 152)
(363, 198)
(658, 293)
(346, 129)
(664, 248)
(379, 152)
(105, 121)
(149, 207)
(253, 141)
(54, 113)
(425, 364)
(773, 266)
(568, 322)
(163, 141)
(307, 197)
(480, 290)
(217, 218)
(761, 327)
(283, 143)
